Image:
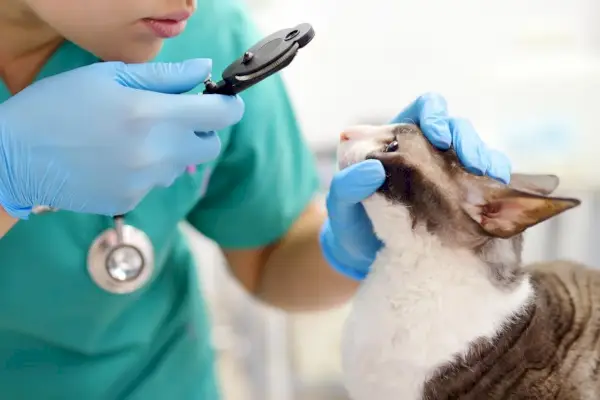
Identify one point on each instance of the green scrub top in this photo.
(62, 337)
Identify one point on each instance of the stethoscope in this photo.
(121, 259)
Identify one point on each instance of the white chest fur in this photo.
(420, 307)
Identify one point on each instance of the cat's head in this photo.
(428, 191)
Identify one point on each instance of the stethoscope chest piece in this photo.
(121, 260)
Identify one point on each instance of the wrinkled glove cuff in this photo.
(19, 213)
(16, 212)
(328, 247)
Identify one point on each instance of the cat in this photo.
(447, 310)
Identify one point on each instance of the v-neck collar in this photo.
(66, 57)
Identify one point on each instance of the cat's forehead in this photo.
(369, 133)
(409, 137)
(358, 132)
(415, 150)
(395, 144)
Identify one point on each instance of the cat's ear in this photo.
(503, 211)
(536, 183)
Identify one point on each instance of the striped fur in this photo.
(447, 311)
(551, 352)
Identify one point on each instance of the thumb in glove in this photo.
(347, 238)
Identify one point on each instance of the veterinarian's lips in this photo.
(169, 25)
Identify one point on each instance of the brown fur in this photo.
(552, 351)
(434, 185)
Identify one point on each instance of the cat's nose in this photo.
(351, 133)
(357, 132)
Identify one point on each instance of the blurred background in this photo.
(526, 73)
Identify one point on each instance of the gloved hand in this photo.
(98, 138)
(347, 237)
(430, 112)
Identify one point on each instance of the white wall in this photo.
(525, 71)
(521, 70)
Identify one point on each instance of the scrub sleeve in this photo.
(265, 179)
(267, 175)
(62, 337)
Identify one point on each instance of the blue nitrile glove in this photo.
(347, 237)
(98, 138)
(430, 112)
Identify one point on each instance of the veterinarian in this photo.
(93, 139)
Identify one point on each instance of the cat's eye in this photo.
(393, 146)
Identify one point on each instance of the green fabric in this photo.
(61, 337)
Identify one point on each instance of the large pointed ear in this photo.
(534, 183)
(503, 211)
